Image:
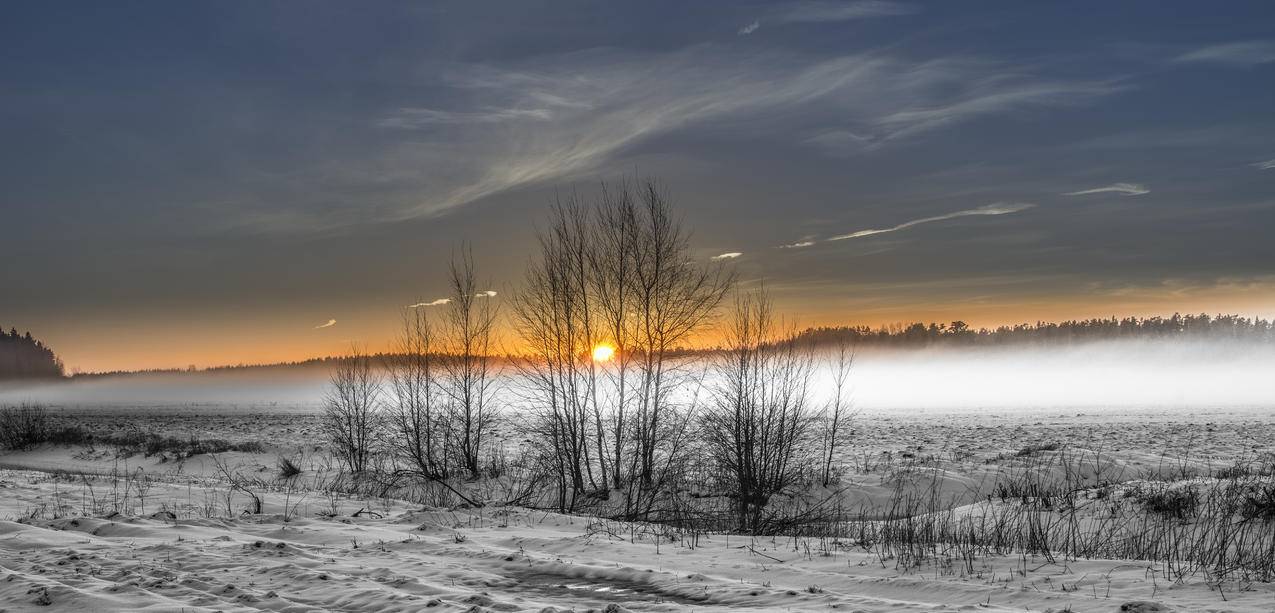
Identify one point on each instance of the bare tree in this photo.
(758, 425)
(351, 416)
(553, 316)
(419, 425)
(471, 317)
(837, 414)
(612, 263)
(674, 298)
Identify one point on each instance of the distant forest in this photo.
(24, 357)
(1219, 327)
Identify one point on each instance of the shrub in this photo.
(1260, 503)
(23, 427)
(147, 444)
(288, 468)
(68, 435)
(1032, 450)
(1178, 503)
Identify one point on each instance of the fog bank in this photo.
(1103, 374)
(1190, 374)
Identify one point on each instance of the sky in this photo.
(217, 183)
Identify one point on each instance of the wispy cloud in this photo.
(999, 208)
(1266, 165)
(817, 11)
(986, 97)
(443, 301)
(413, 118)
(839, 141)
(604, 102)
(1126, 189)
(730, 255)
(821, 11)
(438, 302)
(567, 116)
(982, 93)
(805, 242)
(331, 322)
(1246, 53)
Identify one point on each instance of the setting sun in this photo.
(603, 353)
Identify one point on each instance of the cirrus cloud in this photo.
(484, 129)
(599, 103)
(438, 302)
(819, 11)
(998, 208)
(415, 118)
(1243, 53)
(1124, 189)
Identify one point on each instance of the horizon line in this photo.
(692, 349)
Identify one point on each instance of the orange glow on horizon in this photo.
(154, 340)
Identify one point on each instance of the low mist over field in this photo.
(1112, 373)
(1134, 373)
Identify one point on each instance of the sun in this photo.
(603, 352)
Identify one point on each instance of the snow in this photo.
(181, 542)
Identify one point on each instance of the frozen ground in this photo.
(316, 554)
(182, 542)
(1220, 433)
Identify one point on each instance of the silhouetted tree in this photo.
(836, 415)
(352, 417)
(758, 425)
(417, 415)
(25, 357)
(470, 323)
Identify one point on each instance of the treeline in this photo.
(1201, 327)
(326, 363)
(24, 357)
(386, 359)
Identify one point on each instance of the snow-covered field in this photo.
(349, 554)
(87, 530)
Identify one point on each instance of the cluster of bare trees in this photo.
(616, 273)
(615, 412)
(428, 410)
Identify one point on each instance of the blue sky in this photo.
(234, 174)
